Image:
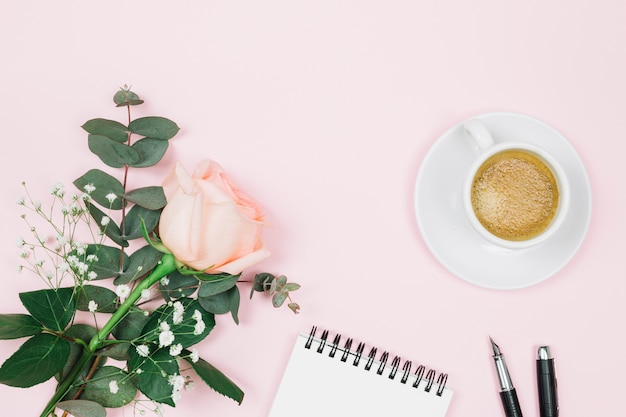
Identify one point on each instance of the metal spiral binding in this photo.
(429, 378)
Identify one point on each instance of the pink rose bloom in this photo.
(208, 224)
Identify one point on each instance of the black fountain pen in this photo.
(546, 383)
(507, 390)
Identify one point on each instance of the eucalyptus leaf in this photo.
(83, 408)
(209, 288)
(153, 379)
(278, 299)
(126, 98)
(106, 260)
(152, 197)
(150, 151)
(111, 229)
(102, 296)
(109, 128)
(215, 379)
(179, 286)
(36, 361)
(14, 326)
(141, 262)
(54, 308)
(131, 326)
(99, 387)
(112, 152)
(104, 185)
(154, 127)
(117, 351)
(224, 302)
(134, 219)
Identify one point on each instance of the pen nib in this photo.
(496, 348)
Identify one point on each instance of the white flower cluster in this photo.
(166, 337)
(178, 383)
(199, 326)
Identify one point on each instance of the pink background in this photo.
(323, 111)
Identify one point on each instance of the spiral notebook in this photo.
(337, 378)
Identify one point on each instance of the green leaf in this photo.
(104, 297)
(221, 303)
(215, 379)
(131, 326)
(82, 332)
(107, 260)
(117, 351)
(36, 361)
(111, 152)
(53, 308)
(154, 127)
(142, 261)
(262, 282)
(184, 330)
(278, 299)
(14, 326)
(179, 286)
(209, 288)
(150, 152)
(98, 389)
(109, 128)
(126, 97)
(134, 218)
(82, 408)
(105, 184)
(153, 380)
(291, 286)
(112, 230)
(152, 198)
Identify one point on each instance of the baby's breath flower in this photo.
(20, 201)
(20, 242)
(89, 188)
(194, 356)
(176, 349)
(177, 382)
(178, 312)
(164, 326)
(166, 338)
(197, 316)
(105, 221)
(145, 294)
(92, 275)
(93, 306)
(113, 387)
(143, 350)
(58, 190)
(122, 291)
(165, 281)
(199, 327)
(111, 197)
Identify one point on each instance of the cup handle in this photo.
(477, 135)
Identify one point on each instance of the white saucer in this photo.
(450, 237)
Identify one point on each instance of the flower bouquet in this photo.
(133, 278)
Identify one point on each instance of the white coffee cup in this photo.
(516, 195)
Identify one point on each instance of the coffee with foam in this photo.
(514, 195)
